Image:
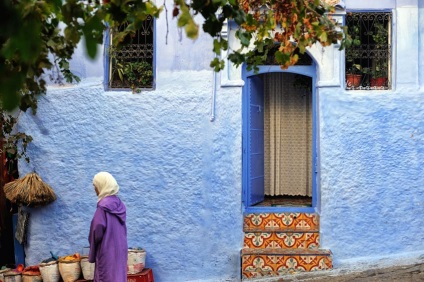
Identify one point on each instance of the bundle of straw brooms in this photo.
(29, 191)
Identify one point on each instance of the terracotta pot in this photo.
(378, 82)
(353, 80)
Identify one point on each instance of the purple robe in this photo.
(108, 241)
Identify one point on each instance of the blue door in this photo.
(254, 141)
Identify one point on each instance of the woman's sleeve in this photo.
(97, 228)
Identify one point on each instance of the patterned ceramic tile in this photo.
(282, 243)
(275, 265)
(280, 221)
(301, 240)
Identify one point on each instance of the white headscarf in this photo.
(106, 184)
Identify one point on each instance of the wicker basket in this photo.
(2, 273)
(70, 271)
(87, 268)
(31, 278)
(136, 261)
(50, 271)
(12, 276)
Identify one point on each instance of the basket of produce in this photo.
(50, 271)
(12, 276)
(87, 268)
(31, 274)
(70, 268)
(136, 260)
(2, 271)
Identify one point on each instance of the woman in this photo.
(108, 232)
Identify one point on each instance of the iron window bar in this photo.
(368, 60)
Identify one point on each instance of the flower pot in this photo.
(378, 82)
(353, 80)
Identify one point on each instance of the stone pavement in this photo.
(399, 273)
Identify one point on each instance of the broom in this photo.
(29, 191)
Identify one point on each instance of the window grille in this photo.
(131, 66)
(368, 58)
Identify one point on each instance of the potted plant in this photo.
(379, 73)
(133, 74)
(353, 71)
(353, 76)
(378, 77)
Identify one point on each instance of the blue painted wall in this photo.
(372, 157)
(372, 167)
(180, 174)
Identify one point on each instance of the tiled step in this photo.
(275, 262)
(286, 240)
(280, 222)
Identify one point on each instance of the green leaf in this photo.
(244, 37)
(237, 58)
(192, 30)
(71, 34)
(217, 64)
(281, 57)
(323, 37)
(91, 46)
(184, 18)
(217, 46)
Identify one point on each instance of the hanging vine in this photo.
(41, 35)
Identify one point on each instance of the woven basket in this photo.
(31, 278)
(50, 271)
(70, 271)
(12, 277)
(136, 261)
(2, 274)
(87, 268)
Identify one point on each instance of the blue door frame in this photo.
(251, 191)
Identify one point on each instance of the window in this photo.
(131, 66)
(368, 58)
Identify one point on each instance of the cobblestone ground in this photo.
(406, 273)
(411, 273)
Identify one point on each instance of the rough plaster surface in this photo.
(372, 163)
(179, 173)
(372, 174)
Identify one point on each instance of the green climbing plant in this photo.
(136, 74)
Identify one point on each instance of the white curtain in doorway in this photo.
(288, 137)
